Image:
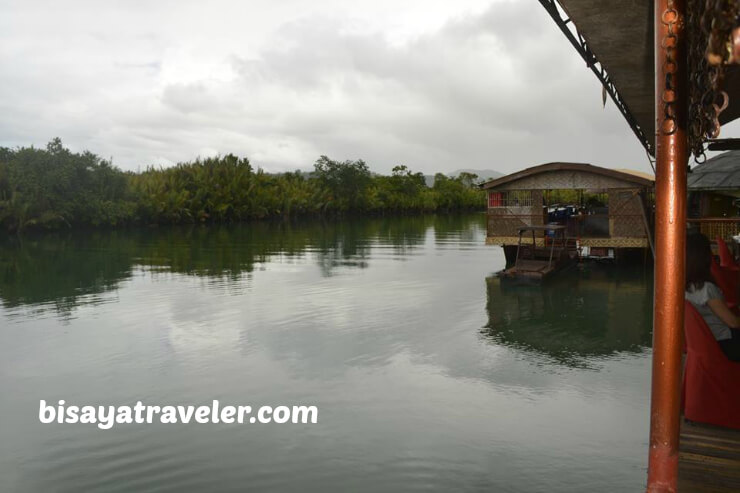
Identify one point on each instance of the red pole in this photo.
(670, 242)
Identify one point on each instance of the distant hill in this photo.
(483, 175)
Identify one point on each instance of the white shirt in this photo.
(699, 298)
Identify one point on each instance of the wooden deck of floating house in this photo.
(537, 264)
(708, 459)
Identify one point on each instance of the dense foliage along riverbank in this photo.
(54, 188)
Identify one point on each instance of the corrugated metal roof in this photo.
(718, 173)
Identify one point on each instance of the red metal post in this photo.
(670, 242)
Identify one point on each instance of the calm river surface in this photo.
(427, 372)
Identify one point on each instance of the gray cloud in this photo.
(497, 87)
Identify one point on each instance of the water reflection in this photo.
(588, 312)
(62, 271)
(376, 322)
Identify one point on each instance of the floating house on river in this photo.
(714, 196)
(604, 211)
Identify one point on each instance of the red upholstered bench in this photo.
(711, 382)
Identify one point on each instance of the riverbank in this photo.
(55, 189)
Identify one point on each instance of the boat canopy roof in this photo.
(620, 36)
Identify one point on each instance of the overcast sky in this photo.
(432, 84)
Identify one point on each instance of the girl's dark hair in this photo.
(698, 261)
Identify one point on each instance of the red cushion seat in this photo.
(726, 259)
(711, 382)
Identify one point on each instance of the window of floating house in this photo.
(495, 199)
(514, 198)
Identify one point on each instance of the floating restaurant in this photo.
(603, 211)
(672, 68)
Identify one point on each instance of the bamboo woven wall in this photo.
(506, 221)
(625, 217)
(722, 228)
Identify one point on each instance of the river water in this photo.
(427, 372)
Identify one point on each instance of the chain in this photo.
(719, 45)
(669, 18)
(710, 26)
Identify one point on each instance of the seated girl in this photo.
(707, 298)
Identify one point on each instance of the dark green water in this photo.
(427, 372)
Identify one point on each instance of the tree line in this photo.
(54, 188)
